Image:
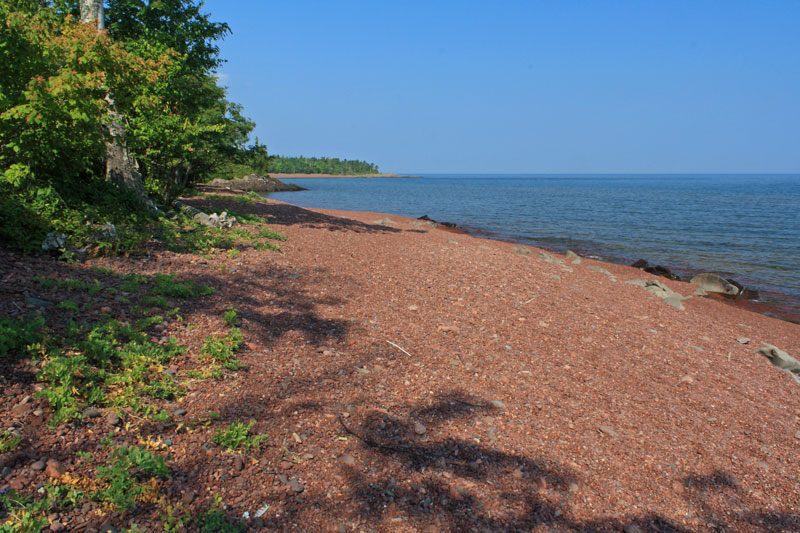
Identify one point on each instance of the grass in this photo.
(237, 436)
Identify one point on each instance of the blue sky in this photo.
(528, 86)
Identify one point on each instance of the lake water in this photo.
(744, 226)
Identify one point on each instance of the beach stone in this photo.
(743, 340)
(347, 460)
(521, 250)
(179, 412)
(296, 486)
(91, 412)
(608, 430)
(498, 404)
(601, 270)
(575, 258)
(419, 428)
(675, 301)
(38, 466)
(715, 283)
(781, 359)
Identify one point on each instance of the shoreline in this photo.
(784, 306)
(281, 176)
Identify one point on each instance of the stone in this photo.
(632, 528)
(498, 404)
(386, 221)
(656, 270)
(347, 460)
(38, 466)
(33, 301)
(296, 486)
(107, 233)
(188, 497)
(54, 242)
(238, 463)
(576, 259)
(608, 430)
(714, 283)
(700, 292)
(55, 469)
(113, 419)
(179, 412)
(419, 428)
(781, 359)
(675, 301)
(573, 487)
(521, 250)
(743, 340)
(91, 412)
(601, 270)
(285, 465)
(57, 527)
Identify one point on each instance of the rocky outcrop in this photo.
(714, 283)
(256, 183)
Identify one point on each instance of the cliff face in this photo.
(257, 183)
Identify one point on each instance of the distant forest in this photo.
(320, 165)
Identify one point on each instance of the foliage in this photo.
(168, 285)
(236, 436)
(68, 305)
(16, 335)
(8, 441)
(222, 349)
(320, 165)
(155, 301)
(124, 475)
(214, 520)
(231, 316)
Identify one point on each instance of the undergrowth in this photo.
(237, 436)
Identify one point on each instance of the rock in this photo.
(38, 412)
(179, 412)
(113, 419)
(576, 259)
(797, 435)
(347, 460)
(296, 486)
(715, 283)
(107, 233)
(498, 404)
(419, 428)
(107, 528)
(285, 465)
(238, 463)
(188, 497)
(55, 469)
(687, 379)
(38, 466)
(521, 250)
(675, 301)
(632, 528)
(781, 359)
(700, 292)
(253, 182)
(54, 242)
(601, 270)
(33, 301)
(91, 412)
(435, 223)
(608, 430)
(386, 221)
(573, 487)
(57, 527)
(743, 340)
(656, 270)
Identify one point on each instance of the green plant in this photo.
(68, 305)
(222, 349)
(131, 282)
(237, 435)
(230, 317)
(233, 253)
(154, 301)
(21, 514)
(20, 335)
(150, 321)
(214, 520)
(125, 476)
(271, 234)
(8, 441)
(168, 285)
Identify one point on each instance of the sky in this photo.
(521, 86)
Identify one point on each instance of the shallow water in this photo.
(744, 226)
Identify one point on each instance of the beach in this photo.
(409, 378)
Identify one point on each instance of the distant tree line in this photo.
(320, 165)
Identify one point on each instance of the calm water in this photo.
(744, 226)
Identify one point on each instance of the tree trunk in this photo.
(121, 168)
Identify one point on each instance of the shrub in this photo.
(16, 335)
(168, 285)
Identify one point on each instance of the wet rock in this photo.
(656, 270)
(715, 283)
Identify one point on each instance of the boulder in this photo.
(781, 359)
(656, 270)
(715, 283)
(54, 242)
